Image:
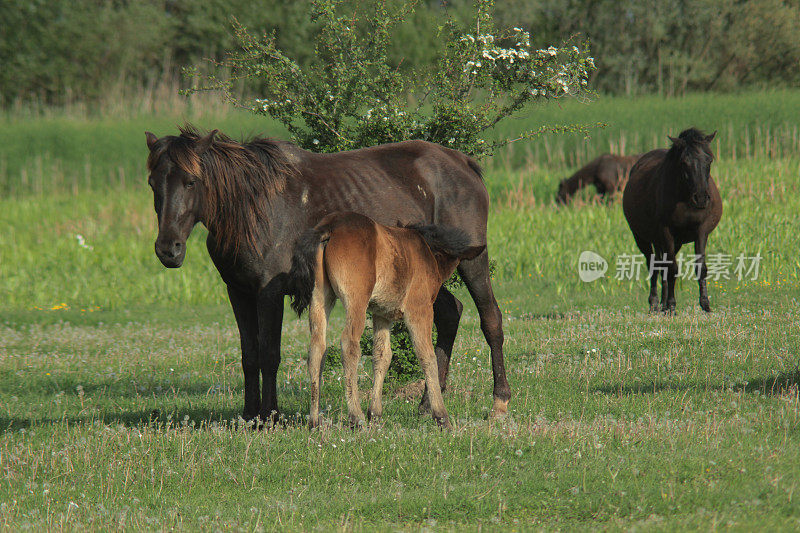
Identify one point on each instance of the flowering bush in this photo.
(351, 96)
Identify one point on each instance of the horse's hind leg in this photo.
(381, 359)
(447, 311)
(355, 319)
(419, 320)
(475, 274)
(319, 309)
(647, 250)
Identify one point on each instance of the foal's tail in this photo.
(301, 275)
(449, 241)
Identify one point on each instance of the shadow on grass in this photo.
(773, 385)
(652, 387)
(197, 418)
(770, 386)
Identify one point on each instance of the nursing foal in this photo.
(395, 272)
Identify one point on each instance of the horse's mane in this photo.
(240, 178)
(690, 143)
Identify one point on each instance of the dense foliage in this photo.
(350, 94)
(54, 51)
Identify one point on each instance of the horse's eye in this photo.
(190, 184)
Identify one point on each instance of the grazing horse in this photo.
(256, 199)
(608, 173)
(395, 273)
(671, 200)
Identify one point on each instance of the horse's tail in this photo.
(448, 241)
(302, 273)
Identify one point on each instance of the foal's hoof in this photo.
(356, 422)
(443, 422)
(705, 305)
(424, 405)
(654, 306)
(499, 408)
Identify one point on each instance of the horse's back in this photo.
(407, 182)
(639, 196)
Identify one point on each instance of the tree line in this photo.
(53, 51)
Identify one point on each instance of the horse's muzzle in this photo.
(700, 200)
(171, 254)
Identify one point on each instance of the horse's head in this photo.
(563, 192)
(692, 154)
(178, 191)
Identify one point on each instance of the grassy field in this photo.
(120, 381)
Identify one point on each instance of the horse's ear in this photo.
(151, 139)
(676, 141)
(472, 252)
(204, 143)
(710, 138)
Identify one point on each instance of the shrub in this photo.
(349, 95)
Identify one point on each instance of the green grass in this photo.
(120, 381)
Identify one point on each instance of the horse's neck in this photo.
(669, 183)
(578, 180)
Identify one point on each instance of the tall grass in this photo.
(73, 151)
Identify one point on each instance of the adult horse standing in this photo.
(257, 198)
(671, 200)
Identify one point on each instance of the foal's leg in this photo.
(447, 311)
(381, 358)
(356, 317)
(475, 274)
(319, 309)
(700, 252)
(419, 320)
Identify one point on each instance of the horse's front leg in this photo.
(270, 320)
(246, 313)
(700, 252)
(671, 277)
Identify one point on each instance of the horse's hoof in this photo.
(705, 305)
(270, 419)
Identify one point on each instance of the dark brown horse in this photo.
(671, 200)
(257, 198)
(396, 273)
(608, 173)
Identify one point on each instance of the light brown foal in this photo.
(395, 272)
